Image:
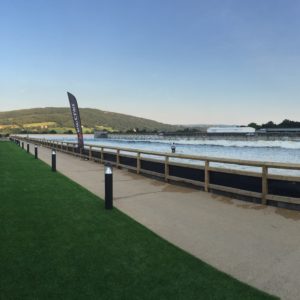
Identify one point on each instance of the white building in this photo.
(231, 129)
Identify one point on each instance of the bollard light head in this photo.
(53, 152)
(35, 146)
(108, 169)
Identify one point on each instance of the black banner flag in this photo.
(76, 119)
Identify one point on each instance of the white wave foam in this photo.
(232, 143)
(288, 144)
(224, 143)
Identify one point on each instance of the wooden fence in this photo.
(274, 189)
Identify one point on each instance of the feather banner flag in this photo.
(76, 119)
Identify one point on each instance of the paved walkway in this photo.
(257, 244)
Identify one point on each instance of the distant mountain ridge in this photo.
(60, 117)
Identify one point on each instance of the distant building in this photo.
(231, 129)
(100, 134)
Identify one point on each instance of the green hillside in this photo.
(59, 118)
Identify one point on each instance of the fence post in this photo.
(206, 176)
(166, 168)
(118, 158)
(102, 155)
(90, 153)
(138, 163)
(264, 185)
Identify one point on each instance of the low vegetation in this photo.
(58, 242)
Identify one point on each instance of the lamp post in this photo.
(108, 186)
(35, 151)
(53, 160)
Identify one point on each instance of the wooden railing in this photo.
(261, 175)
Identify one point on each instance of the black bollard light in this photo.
(22, 145)
(27, 148)
(53, 160)
(108, 186)
(35, 151)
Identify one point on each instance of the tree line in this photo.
(284, 124)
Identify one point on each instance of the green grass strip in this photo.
(58, 242)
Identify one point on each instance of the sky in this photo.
(178, 62)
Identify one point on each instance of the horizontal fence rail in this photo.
(274, 189)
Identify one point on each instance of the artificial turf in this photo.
(58, 242)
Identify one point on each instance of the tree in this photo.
(289, 124)
(68, 131)
(270, 124)
(254, 125)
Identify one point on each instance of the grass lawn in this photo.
(58, 242)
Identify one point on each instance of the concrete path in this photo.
(258, 245)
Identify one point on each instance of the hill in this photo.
(59, 118)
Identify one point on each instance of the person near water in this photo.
(173, 148)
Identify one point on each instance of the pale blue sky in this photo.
(214, 61)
